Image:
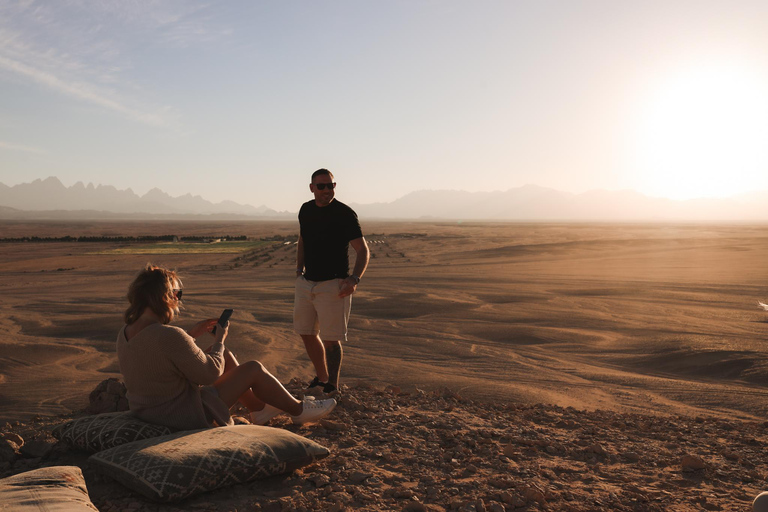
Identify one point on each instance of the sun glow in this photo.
(704, 133)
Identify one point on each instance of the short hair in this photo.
(153, 289)
(321, 172)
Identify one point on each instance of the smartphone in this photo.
(223, 319)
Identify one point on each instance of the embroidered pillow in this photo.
(103, 431)
(51, 489)
(176, 466)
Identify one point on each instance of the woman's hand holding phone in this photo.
(202, 327)
(220, 333)
(222, 325)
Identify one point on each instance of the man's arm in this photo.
(349, 285)
(300, 257)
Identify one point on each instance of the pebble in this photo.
(358, 477)
(7, 451)
(37, 448)
(14, 438)
(333, 425)
(692, 463)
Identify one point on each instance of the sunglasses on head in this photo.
(321, 186)
(177, 293)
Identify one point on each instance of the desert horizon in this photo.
(652, 318)
(49, 199)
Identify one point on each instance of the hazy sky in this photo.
(242, 100)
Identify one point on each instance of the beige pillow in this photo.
(103, 431)
(52, 489)
(176, 466)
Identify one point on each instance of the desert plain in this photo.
(656, 318)
(641, 320)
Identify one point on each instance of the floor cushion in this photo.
(52, 489)
(176, 466)
(103, 431)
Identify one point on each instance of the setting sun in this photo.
(702, 133)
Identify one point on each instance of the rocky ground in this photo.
(437, 451)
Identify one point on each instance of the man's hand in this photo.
(347, 286)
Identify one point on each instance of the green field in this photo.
(186, 248)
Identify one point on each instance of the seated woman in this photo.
(172, 382)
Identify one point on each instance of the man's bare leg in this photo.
(333, 357)
(316, 353)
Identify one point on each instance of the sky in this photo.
(243, 100)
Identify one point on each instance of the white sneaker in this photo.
(314, 410)
(263, 416)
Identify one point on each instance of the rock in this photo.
(533, 493)
(501, 482)
(507, 498)
(631, 456)
(495, 506)
(597, 449)
(103, 402)
(240, 420)
(107, 396)
(115, 387)
(320, 480)
(14, 438)
(358, 477)
(37, 449)
(393, 390)
(692, 463)
(7, 451)
(333, 425)
(414, 506)
(509, 450)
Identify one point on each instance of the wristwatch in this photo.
(357, 279)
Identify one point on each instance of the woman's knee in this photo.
(255, 368)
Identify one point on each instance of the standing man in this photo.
(324, 286)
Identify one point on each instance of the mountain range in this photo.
(535, 203)
(49, 198)
(28, 200)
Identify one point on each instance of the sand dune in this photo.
(651, 318)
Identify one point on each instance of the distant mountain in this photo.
(51, 195)
(535, 203)
(50, 199)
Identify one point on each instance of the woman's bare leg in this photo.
(265, 387)
(248, 399)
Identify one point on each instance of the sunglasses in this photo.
(321, 186)
(177, 293)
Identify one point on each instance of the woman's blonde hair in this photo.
(153, 289)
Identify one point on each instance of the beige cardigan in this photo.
(164, 370)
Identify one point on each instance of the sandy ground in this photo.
(631, 318)
(592, 367)
(437, 451)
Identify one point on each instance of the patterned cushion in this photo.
(176, 466)
(52, 489)
(103, 431)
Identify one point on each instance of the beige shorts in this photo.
(317, 309)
